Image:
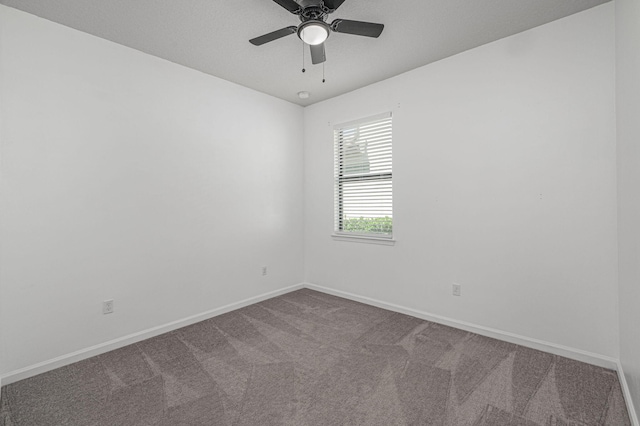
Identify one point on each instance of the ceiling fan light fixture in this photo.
(313, 32)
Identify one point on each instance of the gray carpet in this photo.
(307, 358)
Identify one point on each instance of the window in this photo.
(363, 178)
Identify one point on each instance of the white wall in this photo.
(628, 128)
(125, 176)
(504, 180)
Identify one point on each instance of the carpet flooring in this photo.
(308, 358)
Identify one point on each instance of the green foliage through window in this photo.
(378, 225)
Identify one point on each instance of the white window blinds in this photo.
(363, 177)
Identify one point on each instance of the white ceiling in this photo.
(212, 36)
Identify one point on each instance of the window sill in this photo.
(364, 239)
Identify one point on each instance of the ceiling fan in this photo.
(313, 29)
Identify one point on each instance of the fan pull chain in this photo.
(323, 72)
(303, 70)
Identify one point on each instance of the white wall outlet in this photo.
(456, 289)
(107, 307)
(264, 270)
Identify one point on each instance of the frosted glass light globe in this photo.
(314, 34)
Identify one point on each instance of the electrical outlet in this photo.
(456, 290)
(107, 307)
(264, 270)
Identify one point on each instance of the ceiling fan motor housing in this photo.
(313, 13)
(314, 9)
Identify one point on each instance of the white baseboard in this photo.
(627, 395)
(61, 361)
(565, 351)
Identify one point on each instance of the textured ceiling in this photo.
(212, 36)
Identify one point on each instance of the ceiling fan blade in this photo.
(290, 5)
(317, 53)
(333, 4)
(258, 41)
(346, 26)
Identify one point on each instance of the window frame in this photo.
(339, 179)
